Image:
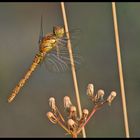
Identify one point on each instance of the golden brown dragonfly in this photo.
(53, 51)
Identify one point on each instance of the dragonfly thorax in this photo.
(47, 44)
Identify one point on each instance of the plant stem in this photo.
(60, 114)
(93, 111)
(72, 65)
(120, 70)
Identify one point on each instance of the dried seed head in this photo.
(90, 90)
(73, 109)
(85, 114)
(111, 97)
(72, 125)
(71, 122)
(51, 117)
(67, 102)
(99, 96)
(52, 103)
(73, 112)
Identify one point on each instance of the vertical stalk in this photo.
(120, 70)
(72, 64)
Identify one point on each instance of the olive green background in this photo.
(19, 32)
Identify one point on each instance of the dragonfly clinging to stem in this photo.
(52, 46)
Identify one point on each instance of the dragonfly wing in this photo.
(58, 59)
(62, 42)
(41, 30)
(60, 62)
(54, 64)
(75, 36)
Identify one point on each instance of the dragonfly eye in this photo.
(58, 31)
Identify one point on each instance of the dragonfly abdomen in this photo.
(38, 58)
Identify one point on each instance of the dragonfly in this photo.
(53, 52)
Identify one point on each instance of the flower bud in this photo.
(52, 103)
(111, 97)
(72, 126)
(67, 102)
(90, 90)
(85, 113)
(73, 113)
(99, 96)
(51, 117)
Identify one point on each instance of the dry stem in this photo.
(120, 70)
(72, 64)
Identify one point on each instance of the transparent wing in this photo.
(41, 31)
(60, 62)
(75, 36)
(58, 59)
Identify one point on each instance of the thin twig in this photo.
(96, 107)
(72, 64)
(59, 122)
(60, 115)
(120, 71)
(93, 111)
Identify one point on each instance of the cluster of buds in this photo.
(72, 123)
(98, 98)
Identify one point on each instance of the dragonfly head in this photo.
(58, 31)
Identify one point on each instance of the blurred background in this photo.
(19, 33)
